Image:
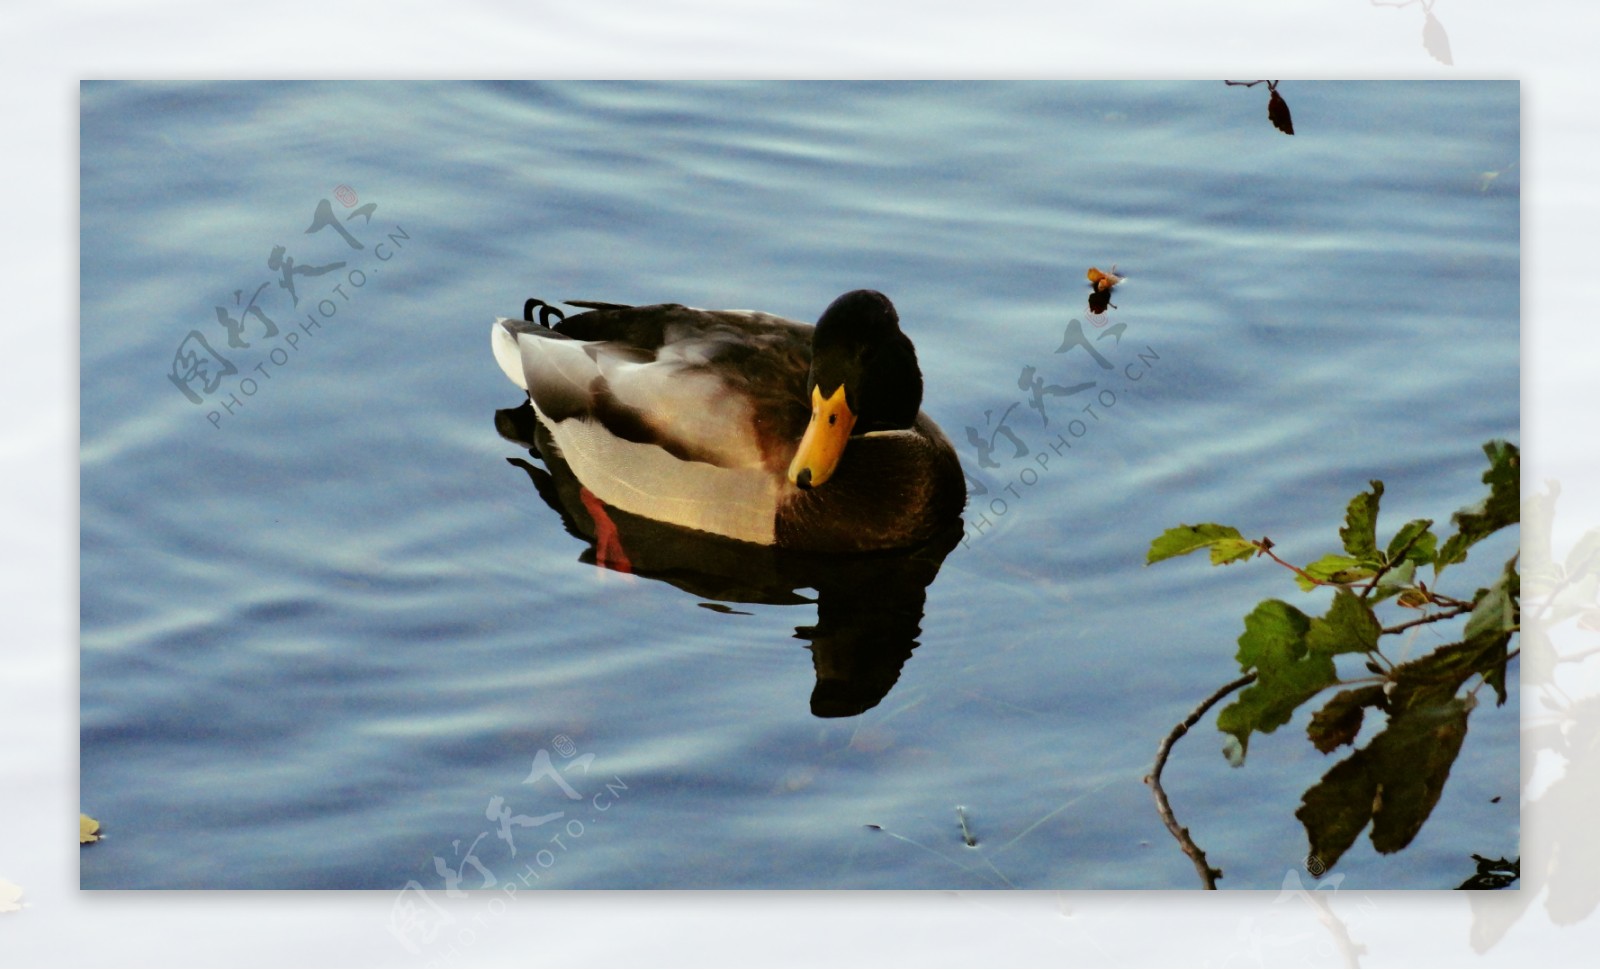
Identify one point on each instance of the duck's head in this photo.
(864, 377)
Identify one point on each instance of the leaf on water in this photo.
(1416, 758)
(1349, 627)
(1493, 873)
(1274, 646)
(1421, 550)
(1340, 719)
(1336, 809)
(10, 894)
(1501, 508)
(1185, 539)
(1393, 783)
(1434, 679)
(1360, 531)
(88, 829)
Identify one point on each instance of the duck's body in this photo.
(696, 417)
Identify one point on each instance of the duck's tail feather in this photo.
(507, 352)
(546, 311)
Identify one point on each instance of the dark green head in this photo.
(858, 344)
(864, 377)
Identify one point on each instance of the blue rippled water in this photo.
(328, 628)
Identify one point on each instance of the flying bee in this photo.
(1101, 284)
(1102, 281)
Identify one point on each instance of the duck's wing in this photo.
(598, 305)
(679, 414)
(725, 387)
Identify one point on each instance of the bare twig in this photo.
(1266, 550)
(1430, 618)
(1208, 875)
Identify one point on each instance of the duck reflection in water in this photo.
(869, 605)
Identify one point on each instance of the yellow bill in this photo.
(824, 440)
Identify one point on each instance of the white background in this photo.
(1550, 47)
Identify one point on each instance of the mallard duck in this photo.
(744, 424)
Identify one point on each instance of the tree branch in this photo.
(1430, 618)
(1208, 875)
(1266, 550)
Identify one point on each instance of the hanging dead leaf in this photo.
(1278, 113)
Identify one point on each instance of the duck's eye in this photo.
(833, 419)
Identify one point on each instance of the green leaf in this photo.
(1274, 636)
(1360, 532)
(1225, 551)
(1435, 678)
(1185, 539)
(1274, 646)
(1421, 550)
(1497, 610)
(1396, 579)
(1394, 783)
(1501, 508)
(1335, 568)
(1349, 627)
(1339, 721)
(1268, 705)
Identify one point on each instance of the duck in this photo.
(743, 424)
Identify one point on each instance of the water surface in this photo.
(329, 628)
